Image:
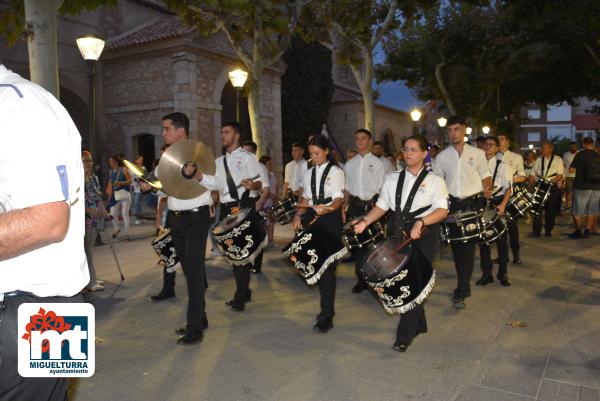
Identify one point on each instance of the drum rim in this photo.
(231, 214)
(374, 249)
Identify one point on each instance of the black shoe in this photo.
(191, 337)
(458, 303)
(534, 235)
(248, 298)
(586, 233)
(575, 234)
(400, 347)
(358, 287)
(485, 280)
(255, 271)
(182, 330)
(517, 260)
(163, 295)
(547, 234)
(323, 325)
(505, 281)
(238, 307)
(497, 260)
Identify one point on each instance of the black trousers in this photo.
(486, 257)
(412, 322)
(327, 285)
(12, 385)
(513, 235)
(357, 208)
(189, 237)
(551, 209)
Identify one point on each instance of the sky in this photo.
(393, 94)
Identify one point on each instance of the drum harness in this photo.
(403, 217)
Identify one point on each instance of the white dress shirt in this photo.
(294, 173)
(504, 176)
(567, 160)
(463, 174)
(264, 179)
(556, 168)
(210, 182)
(242, 165)
(515, 161)
(364, 176)
(388, 167)
(334, 183)
(432, 191)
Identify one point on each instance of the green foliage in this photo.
(306, 92)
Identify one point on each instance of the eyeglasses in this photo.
(411, 150)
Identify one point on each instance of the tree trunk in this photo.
(369, 106)
(254, 113)
(363, 73)
(41, 16)
(440, 81)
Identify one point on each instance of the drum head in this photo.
(231, 221)
(488, 215)
(453, 218)
(385, 259)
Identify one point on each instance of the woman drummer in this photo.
(423, 204)
(324, 193)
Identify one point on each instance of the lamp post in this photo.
(485, 129)
(238, 80)
(442, 121)
(91, 49)
(415, 115)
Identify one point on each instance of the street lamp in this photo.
(530, 146)
(415, 115)
(485, 129)
(91, 49)
(238, 79)
(469, 130)
(466, 138)
(442, 122)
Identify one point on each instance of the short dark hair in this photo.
(297, 145)
(434, 147)
(237, 127)
(378, 143)
(493, 138)
(575, 143)
(480, 138)
(165, 147)
(456, 119)
(364, 131)
(179, 120)
(319, 141)
(504, 134)
(264, 159)
(117, 158)
(588, 140)
(251, 144)
(422, 141)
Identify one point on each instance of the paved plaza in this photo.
(269, 352)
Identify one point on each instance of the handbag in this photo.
(121, 194)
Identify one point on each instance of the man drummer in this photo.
(240, 173)
(294, 172)
(423, 199)
(364, 174)
(501, 192)
(515, 161)
(465, 170)
(548, 167)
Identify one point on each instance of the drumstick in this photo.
(240, 184)
(313, 207)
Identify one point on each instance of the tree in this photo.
(306, 91)
(36, 20)
(259, 31)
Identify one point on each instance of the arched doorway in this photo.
(78, 111)
(228, 100)
(144, 145)
(389, 143)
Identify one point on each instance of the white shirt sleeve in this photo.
(437, 166)
(211, 182)
(288, 173)
(560, 170)
(482, 166)
(387, 196)
(337, 184)
(440, 191)
(520, 166)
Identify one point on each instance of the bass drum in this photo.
(461, 227)
(241, 236)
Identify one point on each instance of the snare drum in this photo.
(461, 227)
(312, 250)
(165, 249)
(241, 236)
(285, 209)
(519, 203)
(399, 285)
(539, 195)
(493, 226)
(372, 235)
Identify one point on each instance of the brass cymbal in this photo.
(171, 166)
(139, 173)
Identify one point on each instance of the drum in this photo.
(165, 249)
(461, 227)
(399, 286)
(285, 209)
(518, 204)
(493, 226)
(539, 195)
(372, 235)
(312, 250)
(241, 236)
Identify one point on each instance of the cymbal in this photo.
(139, 173)
(171, 165)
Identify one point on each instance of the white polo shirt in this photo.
(504, 176)
(515, 161)
(388, 167)
(432, 191)
(463, 174)
(40, 162)
(334, 183)
(242, 165)
(364, 176)
(294, 173)
(556, 168)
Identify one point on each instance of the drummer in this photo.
(423, 203)
(324, 191)
(364, 177)
(501, 192)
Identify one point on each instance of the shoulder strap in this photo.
(402, 213)
(313, 184)
(230, 184)
(498, 161)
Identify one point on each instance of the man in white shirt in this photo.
(294, 171)
(379, 151)
(42, 205)
(515, 161)
(548, 167)
(240, 173)
(364, 174)
(569, 177)
(465, 170)
(502, 175)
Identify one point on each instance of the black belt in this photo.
(357, 199)
(15, 294)
(189, 211)
(468, 198)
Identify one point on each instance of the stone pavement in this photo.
(269, 352)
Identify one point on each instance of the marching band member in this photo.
(466, 173)
(364, 177)
(548, 167)
(515, 161)
(294, 171)
(501, 191)
(423, 200)
(237, 167)
(324, 191)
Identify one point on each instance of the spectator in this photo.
(137, 191)
(529, 159)
(351, 153)
(267, 207)
(118, 190)
(378, 150)
(586, 197)
(569, 177)
(399, 161)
